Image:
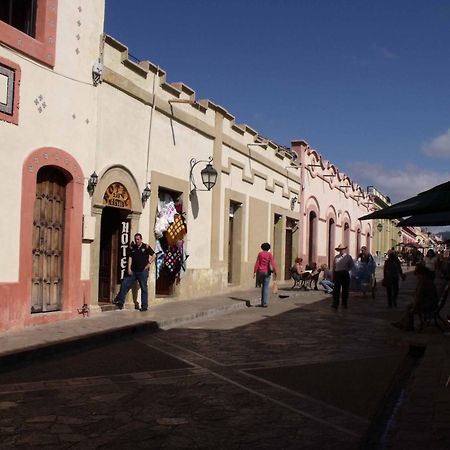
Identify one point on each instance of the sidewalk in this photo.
(18, 343)
(30, 342)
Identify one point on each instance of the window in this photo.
(29, 26)
(20, 14)
(9, 91)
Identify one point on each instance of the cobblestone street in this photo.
(294, 375)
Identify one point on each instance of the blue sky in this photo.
(365, 83)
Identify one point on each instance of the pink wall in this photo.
(15, 298)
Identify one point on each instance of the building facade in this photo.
(96, 147)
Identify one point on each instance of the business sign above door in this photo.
(117, 195)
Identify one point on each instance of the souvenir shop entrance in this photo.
(170, 231)
(114, 240)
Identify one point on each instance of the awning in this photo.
(434, 200)
(425, 220)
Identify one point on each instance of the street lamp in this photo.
(208, 175)
(145, 194)
(380, 227)
(92, 182)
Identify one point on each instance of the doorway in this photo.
(234, 242)
(48, 240)
(312, 237)
(289, 247)
(114, 240)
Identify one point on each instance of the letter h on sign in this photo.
(124, 241)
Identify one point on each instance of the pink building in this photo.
(330, 205)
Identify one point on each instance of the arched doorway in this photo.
(331, 241)
(115, 234)
(312, 237)
(346, 236)
(48, 240)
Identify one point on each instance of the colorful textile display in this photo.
(176, 230)
(172, 260)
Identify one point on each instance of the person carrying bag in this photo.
(263, 269)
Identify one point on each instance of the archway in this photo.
(312, 237)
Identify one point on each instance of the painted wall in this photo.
(136, 128)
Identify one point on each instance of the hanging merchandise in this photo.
(170, 211)
(159, 264)
(176, 230)
(172, 260)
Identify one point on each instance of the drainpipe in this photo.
(147, 182)
(299, 147)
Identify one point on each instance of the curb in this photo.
(92, 339)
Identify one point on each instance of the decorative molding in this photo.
(42, 47)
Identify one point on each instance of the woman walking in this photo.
(264, 266)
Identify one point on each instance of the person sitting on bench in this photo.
(327, 279)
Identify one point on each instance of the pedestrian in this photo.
(425, 299)
(139, 258)
(342, 265)
(365, 256)
(327, 279)
(430, 261)
(392, 272)
(264, 267)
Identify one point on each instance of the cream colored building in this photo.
(73, 104)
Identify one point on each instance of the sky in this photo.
(366, 83)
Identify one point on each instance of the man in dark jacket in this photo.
(139, 258)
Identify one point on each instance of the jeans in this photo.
(265, 282)
(327, 285)
(128, 281)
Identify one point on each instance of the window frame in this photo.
(42, 47)
(9, 66)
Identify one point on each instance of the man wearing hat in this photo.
(342, 265)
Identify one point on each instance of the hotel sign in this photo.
(117, 195)
(124, 240)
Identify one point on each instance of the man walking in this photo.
(342, 265)
(139, 258)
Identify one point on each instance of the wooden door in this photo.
(114, 239)
(288, 254)
(230, 246)
(48, 241)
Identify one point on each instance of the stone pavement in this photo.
(422, 409)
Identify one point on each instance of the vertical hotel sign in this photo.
(124, 239)
(116, 195)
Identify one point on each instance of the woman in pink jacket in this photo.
(264, 266)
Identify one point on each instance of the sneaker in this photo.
(143, 309)
(119, 305)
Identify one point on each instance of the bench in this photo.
(301, 280)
